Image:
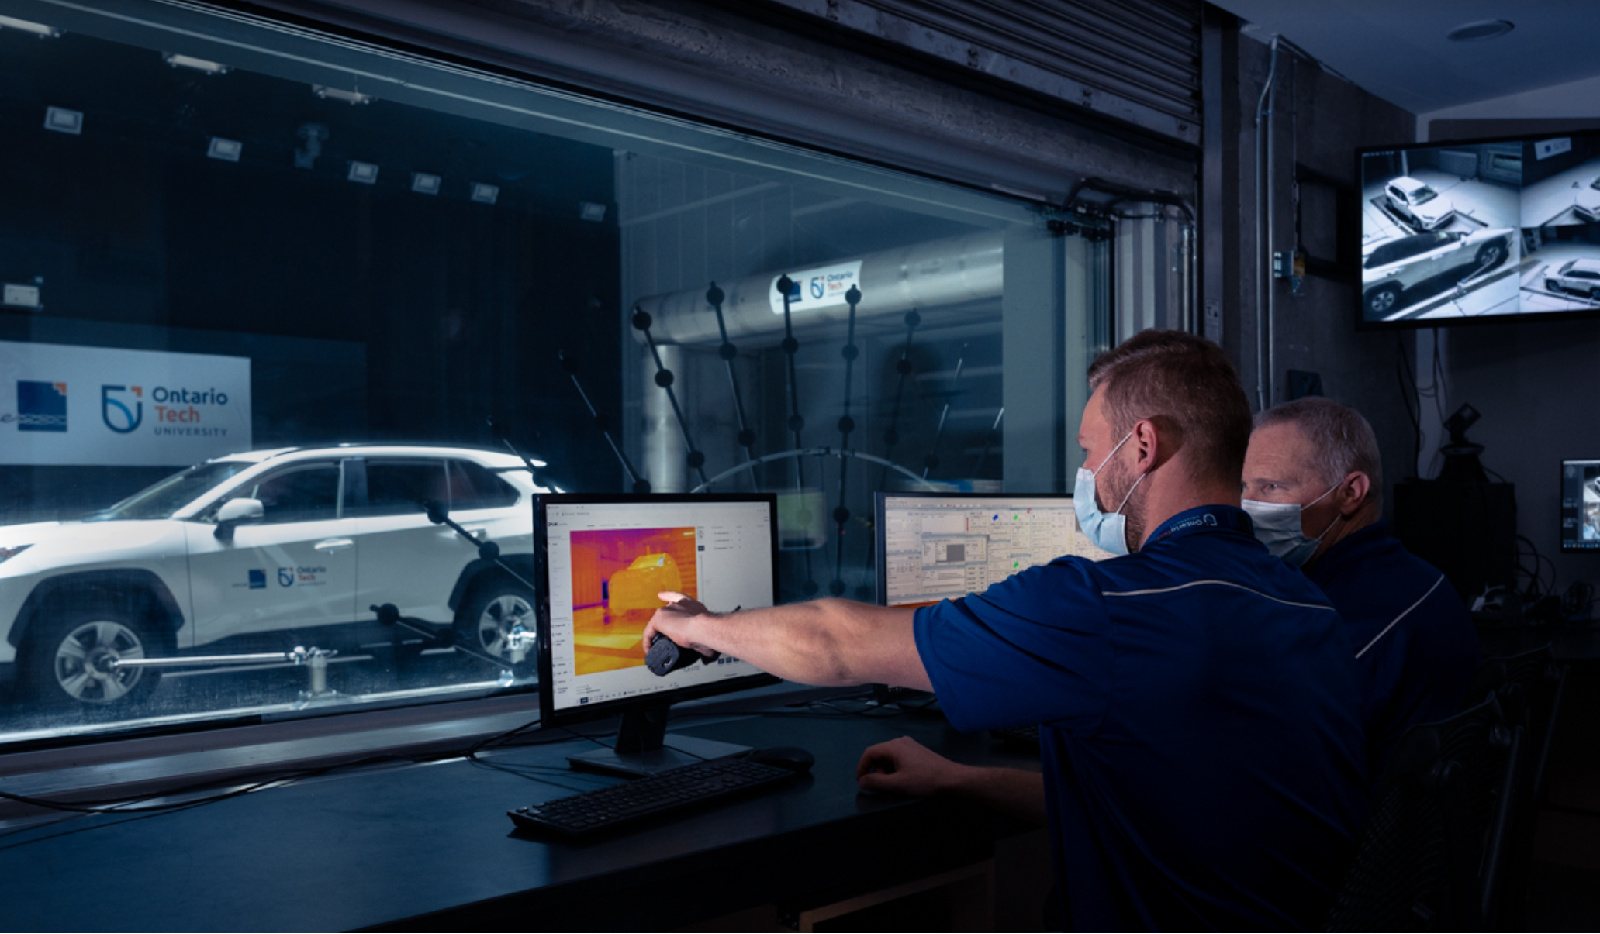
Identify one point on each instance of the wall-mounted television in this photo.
(1580, 506)
(1489, 230)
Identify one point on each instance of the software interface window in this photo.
(608, 562)
(944, 547)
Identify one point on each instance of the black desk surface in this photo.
(429, 847)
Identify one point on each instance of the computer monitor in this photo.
(1580, 506)
(937, 546)
(602, 559)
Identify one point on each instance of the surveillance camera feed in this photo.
(1580, 505)
(1480, 231)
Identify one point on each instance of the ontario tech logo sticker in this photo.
(41, 405)
(285, 577)
(818, 289)
(115, 412)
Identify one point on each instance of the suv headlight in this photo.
(11, 551)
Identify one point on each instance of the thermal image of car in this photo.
(1418, 204)
(1576, 277)
(265, 551)
(1399, 272)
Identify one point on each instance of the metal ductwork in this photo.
(924, 276)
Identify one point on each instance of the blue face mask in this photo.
(1108, 532)
(1277, 525)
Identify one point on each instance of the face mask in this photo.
(1108, 532)
(1277, 525)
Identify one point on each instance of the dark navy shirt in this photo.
(1199, 709)
(1414, 642)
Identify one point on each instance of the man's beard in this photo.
(1118, 480)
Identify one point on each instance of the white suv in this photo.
(1578, 277)
(265, 551)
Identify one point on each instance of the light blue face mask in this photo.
(1109, 532)
(1277, 525)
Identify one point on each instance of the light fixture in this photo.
(63, 120)
(38, 29)
(364, 172)
(349, 97)
(1480, 30)
(227, 150)
(423, 183)
(198, 64)
(485, 194)
(590, 211)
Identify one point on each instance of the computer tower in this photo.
(1466, 530)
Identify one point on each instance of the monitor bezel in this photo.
(549, 715)
(880, 500)
(1561, 537)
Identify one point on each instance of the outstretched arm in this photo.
(826, 642)
(904, 766)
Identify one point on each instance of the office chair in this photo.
(1432, 852)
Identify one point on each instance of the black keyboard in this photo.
(1025, 736)
(685, 788)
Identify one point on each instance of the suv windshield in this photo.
(1423, 195)
(170, 495)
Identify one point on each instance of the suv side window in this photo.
(399, 487)
(302, 493)
(474, 486)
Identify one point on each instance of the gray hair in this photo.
(1343, 439)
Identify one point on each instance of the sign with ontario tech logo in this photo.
(816, 288)
(101, 405)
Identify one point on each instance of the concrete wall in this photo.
(1320, 120)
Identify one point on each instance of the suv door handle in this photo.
(331, 545)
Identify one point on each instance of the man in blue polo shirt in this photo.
(1313, 484)
(1203, 761)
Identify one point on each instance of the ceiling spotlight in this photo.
(38, 29)
(1480, 30)
(198, 64)
(590, 211)
(364, 172)
(485, 194)
(423, 183)
(334, 94)
(227, 150)
(63, 120)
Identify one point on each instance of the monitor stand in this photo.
(644, 747)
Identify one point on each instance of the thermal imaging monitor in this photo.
(938, 546)
(1580, 506)
(604, 560)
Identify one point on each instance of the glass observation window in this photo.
(276, 303)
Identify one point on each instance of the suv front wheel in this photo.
(72, 654)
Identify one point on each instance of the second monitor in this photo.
(937, 546)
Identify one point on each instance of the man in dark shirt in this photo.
(1199, 706)
(1313, 485)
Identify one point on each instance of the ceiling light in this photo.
(423, 183)
(63, 120)
(227, 150)
(38, 29)
(349, 97)
(1480, 30)
(486, 194)
(364, 172)
(198, 64)
(590, 211)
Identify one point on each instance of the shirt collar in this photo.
(1213, 518)
(1347, 550)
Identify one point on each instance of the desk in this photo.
(429, 847)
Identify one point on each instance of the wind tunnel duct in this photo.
(924, 276)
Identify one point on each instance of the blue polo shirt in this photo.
(1414, 642)
(1198, 704)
